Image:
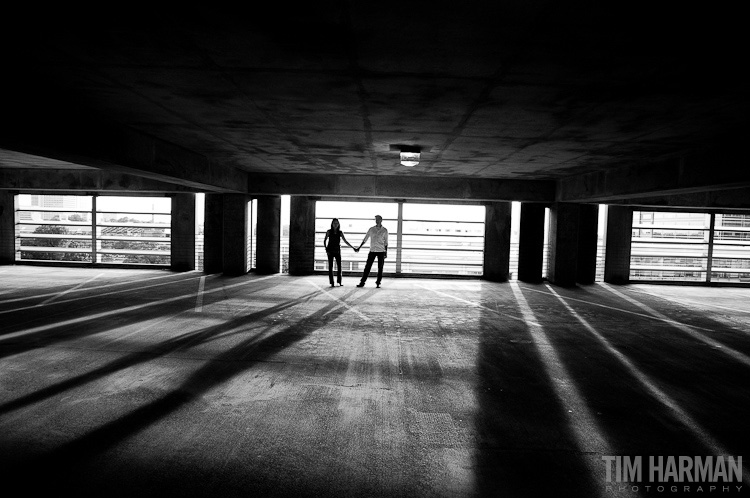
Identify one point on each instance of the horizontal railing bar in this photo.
(55, 223)
(453, 249)
(52, 210)
(133, 251)
(112, 224)
(649, 240)
(440, 263)
(142, 213)
(54, 249)
(668, 256)
(165, 240)
(640, 226)
(405, 234)
(667, 268)
(31, 235)
(443, 221)
(740, 230)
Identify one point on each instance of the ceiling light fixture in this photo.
(410, 158)
(410, 154)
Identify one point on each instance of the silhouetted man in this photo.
(378, 236)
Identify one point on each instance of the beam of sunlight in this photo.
(149, 324)
(477, 305)
(644, 315)
(105, 314)
(742, 358)
(205, 378)
(341, 302)
(659, 395)
(186, 339)
(199, 297)
(14, 310)
(61, 294)
(103, 286)
(690, 302)
(588, 434)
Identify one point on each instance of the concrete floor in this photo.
(151, 383)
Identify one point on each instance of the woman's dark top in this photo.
(334, 241)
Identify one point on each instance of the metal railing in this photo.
(85, 235)
(690, 247)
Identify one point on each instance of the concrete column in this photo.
(183, 232)
(563, 243)
(301, 235)
(619, 234)
(588, 225)
(213, 234)
(497, 241)
(531, 242)
(7, 228)
(268, 248)
(235, 226)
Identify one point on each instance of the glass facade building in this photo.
(685, 246)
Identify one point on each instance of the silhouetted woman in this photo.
(332, 243)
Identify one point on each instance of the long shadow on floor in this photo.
(707, 384)
(525, 445)
(179, 343)
(89, 324)
(61, 466)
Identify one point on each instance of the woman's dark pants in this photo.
(331, 256)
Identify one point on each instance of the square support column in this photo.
(619, 235)
(235, 226)
(531, 242)
(268, 248)
(301, 235)
(563, 244)
(497, 241)
(183, 232)
(213, 234)
(588, 225)
(7, 228)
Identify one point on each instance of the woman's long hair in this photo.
(335, 229)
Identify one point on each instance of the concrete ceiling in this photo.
(525, 90)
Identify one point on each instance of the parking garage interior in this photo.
(568, 272)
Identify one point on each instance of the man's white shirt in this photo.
(378, 238)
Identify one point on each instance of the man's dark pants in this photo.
(370, 258)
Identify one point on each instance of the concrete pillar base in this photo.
(619, 235)
(497, 241)
(7, 228)
(531, 243)
(183, 232)
(301, 235)
(563, 244)
(268, 248)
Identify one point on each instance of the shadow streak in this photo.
(62, 465)
(92, 326)
(525, 446)
(703, 382)
(164, 348)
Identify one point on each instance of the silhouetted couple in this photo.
(378, 236)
